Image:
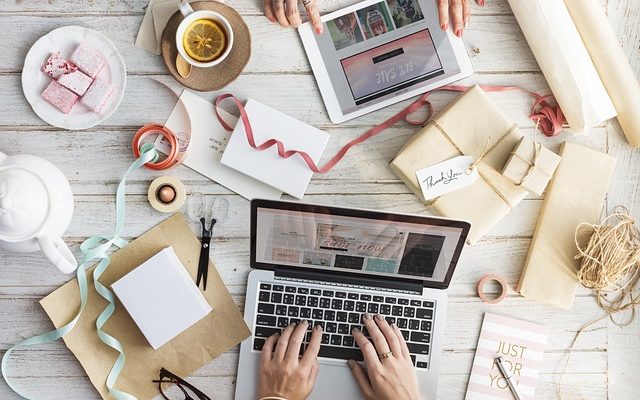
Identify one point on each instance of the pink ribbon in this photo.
(549, 119)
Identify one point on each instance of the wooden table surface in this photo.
(605, 359)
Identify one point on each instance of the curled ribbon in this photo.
(95, 249)
(548, 118)
(282, 152)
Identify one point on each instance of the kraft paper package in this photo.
(468, 126)
(219, 331)
(611, 63)
(531, 165)
(576, 194)
(565, 62)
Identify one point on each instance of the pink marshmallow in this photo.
(76, 81)
(88, 60)
(60, 97)
(97, 96)
(56, 66)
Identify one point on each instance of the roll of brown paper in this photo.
(611, 63)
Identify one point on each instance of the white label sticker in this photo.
(446, 177)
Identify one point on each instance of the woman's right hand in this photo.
(385, 378)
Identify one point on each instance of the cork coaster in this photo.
(217, 77)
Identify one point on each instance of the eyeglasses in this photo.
(188, 390)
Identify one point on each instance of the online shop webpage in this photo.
(378, 247)
(384, 49)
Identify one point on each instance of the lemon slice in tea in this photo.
(204, 40)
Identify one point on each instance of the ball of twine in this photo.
(610, 262)
(609, 255)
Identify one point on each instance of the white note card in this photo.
(161, 298)
(208, 142)
(446, 177)
(291, 175)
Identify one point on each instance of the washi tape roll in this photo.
(503, 288)
(167, 194)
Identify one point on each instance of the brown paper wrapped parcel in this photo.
(470, 125)
(531, 165)
(576, 194)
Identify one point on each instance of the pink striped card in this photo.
(521, 344)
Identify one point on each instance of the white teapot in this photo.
(36, 205)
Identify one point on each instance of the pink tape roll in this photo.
(492, 277)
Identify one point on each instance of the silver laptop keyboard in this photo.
(339, 311)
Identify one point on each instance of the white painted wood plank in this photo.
(584, 386)
(274, 49)
(23, 317)
(624, 343)
(31, 275)
(279, 91)
(362, 170)
(128, 7)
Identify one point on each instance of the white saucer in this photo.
(64, 40)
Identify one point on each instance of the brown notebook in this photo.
(213, 335)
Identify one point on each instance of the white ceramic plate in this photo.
(65, 40)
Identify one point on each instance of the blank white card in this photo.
(161, 298)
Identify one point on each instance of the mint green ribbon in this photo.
(95, 249)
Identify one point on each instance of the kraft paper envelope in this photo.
(213, 335)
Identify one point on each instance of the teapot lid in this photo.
(24, 204)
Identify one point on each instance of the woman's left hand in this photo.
(282, 372)
(287, 14)
(459, 11)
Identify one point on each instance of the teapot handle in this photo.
(59, 254)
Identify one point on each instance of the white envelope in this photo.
(291, 175)
(208, 142)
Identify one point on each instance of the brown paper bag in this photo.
(216, 333)
(470, 125)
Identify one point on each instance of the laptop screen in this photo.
(355, 241)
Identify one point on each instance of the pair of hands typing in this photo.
(287, 14)
(388, 373)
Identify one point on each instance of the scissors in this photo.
(219, 213)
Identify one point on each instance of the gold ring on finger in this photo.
(385, 355)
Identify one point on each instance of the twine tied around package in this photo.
(610, 265)
(533, 165)
(487, 149)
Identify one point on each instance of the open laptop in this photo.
(330, 265)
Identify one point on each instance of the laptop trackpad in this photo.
(335, 382)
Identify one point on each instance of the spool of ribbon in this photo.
(94, 249)
(175, 145)
(503, 288)
(549, 118)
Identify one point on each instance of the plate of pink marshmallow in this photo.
(74, 78)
